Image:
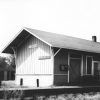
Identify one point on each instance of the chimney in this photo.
(94, 38)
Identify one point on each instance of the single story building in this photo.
(47, 59)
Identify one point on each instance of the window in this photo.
(89, 65)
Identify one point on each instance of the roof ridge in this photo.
(61, 35)
(57, 40)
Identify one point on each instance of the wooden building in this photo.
(47, 59)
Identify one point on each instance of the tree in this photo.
(7, 62)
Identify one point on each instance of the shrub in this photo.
(12, 94)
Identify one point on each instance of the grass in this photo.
(14, 94)
(19, 95)
(77, 96)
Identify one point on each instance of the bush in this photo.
(12, 94)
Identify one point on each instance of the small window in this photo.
(89, 65)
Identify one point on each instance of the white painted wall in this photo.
(28, 65)
(30, 80)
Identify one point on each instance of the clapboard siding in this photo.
(28, 62)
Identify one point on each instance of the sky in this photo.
(77, 18)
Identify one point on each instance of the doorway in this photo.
(75, 70)
(75, 67)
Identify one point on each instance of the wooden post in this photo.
(21, 82)
(68, 66)
(37, 82)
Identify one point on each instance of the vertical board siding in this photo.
(95, 58)
(60, 77)
(60, 59)
(28, 65)
(28, 58)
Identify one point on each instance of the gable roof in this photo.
(57, 40)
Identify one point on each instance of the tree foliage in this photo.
(7, 62)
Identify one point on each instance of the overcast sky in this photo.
(78, 18)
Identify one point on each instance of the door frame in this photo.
(69, 61)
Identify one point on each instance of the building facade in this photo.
(47, 59)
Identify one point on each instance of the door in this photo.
(74, 70)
